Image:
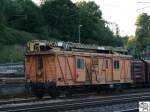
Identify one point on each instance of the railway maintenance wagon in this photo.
(66, 67)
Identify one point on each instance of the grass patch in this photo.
(9, 36)
(12, 53)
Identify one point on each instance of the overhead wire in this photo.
(143, 7)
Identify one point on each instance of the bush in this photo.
(11, 36)
(11, 53)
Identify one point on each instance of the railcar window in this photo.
(80, 63)
(116, 64)
(39, 62)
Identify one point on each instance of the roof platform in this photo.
(43, 45)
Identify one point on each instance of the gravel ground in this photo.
(12, 91)
(112, 108)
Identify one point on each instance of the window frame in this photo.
(116, 64)
(39, 63)
(80, 63)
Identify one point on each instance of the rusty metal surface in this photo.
(62, 69)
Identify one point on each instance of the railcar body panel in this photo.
(30, 70)
(49, 68)
(147, 71)
(138, 71)
(67, 68)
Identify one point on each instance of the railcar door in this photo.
(108, 69)
(96, 77)
(39, 69)
(105, 67)
(116, 70)
(80, 69)
(126, 71)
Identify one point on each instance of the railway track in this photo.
(77, 103)
(22, 100)
(129, 110)
(63, 97)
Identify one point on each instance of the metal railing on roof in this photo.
(31, 46)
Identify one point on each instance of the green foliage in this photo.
(62, 19)
(11, 53)
(9, 36)
(120, 41)
(3, 4)
(11, 44)
(143, 30)
(59, 19)
(93, 29)
(134, 47)
(26, 16)
(22, 20)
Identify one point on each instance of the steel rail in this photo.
(75, 104)
(22, 100)
(76, 97)
(129, 110)
(80, 97)
(66, 106)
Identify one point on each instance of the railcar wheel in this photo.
(68, 94)
(39, 93)
(54, 93)
(98, 91)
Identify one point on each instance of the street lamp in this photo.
(79, 28)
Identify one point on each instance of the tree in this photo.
(3, 5)
(143, 30)
(62, 19)
(26, 16)
(134, 46)
(120, 41)
(94, 29)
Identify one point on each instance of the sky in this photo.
(121, 12)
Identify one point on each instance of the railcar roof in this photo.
(75, 45)
(78, 54)
(38, 47)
